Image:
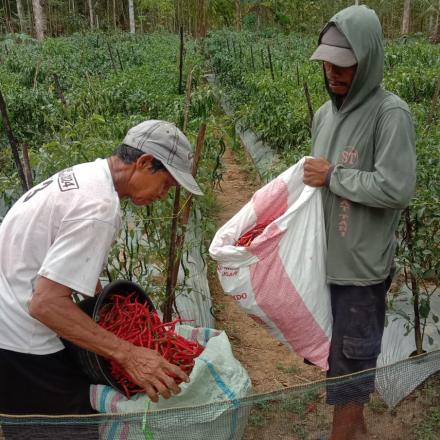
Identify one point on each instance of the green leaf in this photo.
(429, 274)
(424, 308)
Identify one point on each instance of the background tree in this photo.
(237, 15)
(40, 21)
(406, 20)
(200, 16)
(21, 16)
(131, 15)
(436, 35)
(91, 15)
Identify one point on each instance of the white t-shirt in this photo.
(61, 229)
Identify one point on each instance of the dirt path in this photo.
(270, 364)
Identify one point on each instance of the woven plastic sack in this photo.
(279, 279)
(217, 376)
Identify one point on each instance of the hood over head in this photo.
(361, 27)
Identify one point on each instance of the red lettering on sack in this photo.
(227, 271)
(240, 296)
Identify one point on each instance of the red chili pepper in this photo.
(248, 237)
(132, 321)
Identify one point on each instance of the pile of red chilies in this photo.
(132, 321)
(248, 237)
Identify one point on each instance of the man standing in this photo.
(56, 239)
(363, 145)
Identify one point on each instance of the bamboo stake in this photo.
(59, 89)
(37, 70)
(309, 102)
(434, 103)
(270, 63)
(13, 142)
(27, 166)
(297, 74)
(180, 239)
(119, 58)
(172, 253)
(169, 291)
(180, 88)
(187, 101)
(252, 59)
(111, 56)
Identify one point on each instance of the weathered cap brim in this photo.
(339, 56)
(184, 179)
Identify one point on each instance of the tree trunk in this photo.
(131, 15)
(436, 35)
(406, 17)
(31, 16)
(410, 232)
(21, 17)
(237, 16)
(7, 18)
(114, 14)
(201, 17)
(49, 19)
(13, 142)
(92, 21)
(39, 18)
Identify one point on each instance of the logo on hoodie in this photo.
(349, 157)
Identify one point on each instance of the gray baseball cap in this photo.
(335, 49)
(165, 142)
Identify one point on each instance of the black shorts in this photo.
(42, 384)
(358, 323)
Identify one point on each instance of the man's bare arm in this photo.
(52, 305)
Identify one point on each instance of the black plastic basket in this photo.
(95, 367)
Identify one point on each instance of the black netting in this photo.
(404, 406)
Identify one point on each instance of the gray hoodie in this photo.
(370, 140)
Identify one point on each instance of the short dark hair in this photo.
(129, 155)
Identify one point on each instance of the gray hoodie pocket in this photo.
(361, 348)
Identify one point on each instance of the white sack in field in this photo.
(280, 280)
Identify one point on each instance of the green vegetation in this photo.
(72, 99)
(428, 428)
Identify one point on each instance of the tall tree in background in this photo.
(237, 15)
(114, 14)
(40, 21)
(131, 16)
(92, 20)
(201, 18)
(21, 17)
(406, 17)
(436, 35)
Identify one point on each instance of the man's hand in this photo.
(315, 171)
(152, 372)
(52, 305)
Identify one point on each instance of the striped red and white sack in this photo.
(279, 277)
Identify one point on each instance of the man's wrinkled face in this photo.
(146, 185)
(339, 78)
